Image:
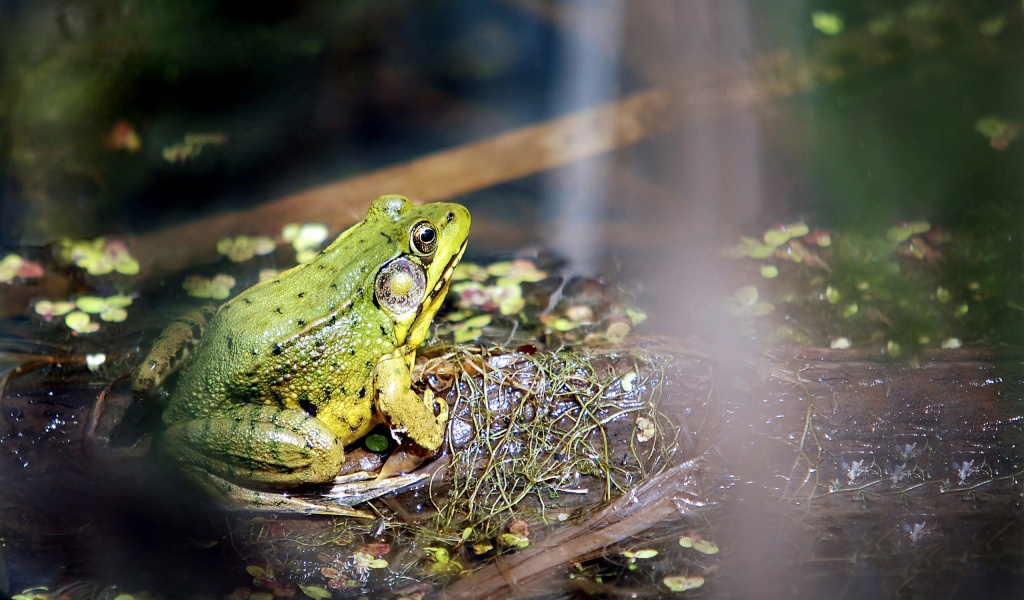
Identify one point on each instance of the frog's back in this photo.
(303, 316)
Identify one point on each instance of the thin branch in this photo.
(470, 167)
(660, 498)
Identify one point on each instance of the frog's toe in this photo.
(350, 490)
(400, 461)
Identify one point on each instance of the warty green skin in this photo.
(294, 368)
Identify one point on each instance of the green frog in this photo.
(293, 369)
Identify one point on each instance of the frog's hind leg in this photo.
(255, 446)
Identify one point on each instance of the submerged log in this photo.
(836, 466)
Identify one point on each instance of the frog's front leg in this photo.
(422, 420)
(235, 453)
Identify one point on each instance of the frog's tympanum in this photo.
(292, 370)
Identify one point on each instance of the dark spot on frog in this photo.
(278, 310)
(302, 294)
(334, 286)
(351, 351)
(327, 390)
(301, 323)
(386, 237)
(321, 266)
(247, 301)
(383, 332)
(276, 349)
(231, 343)
(450, 217)
(307, 405)
(332, 320)
(276, 281)
(362, 392)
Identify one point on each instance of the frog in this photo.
(269, 388)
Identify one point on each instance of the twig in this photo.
(658, 499)
(478, 165)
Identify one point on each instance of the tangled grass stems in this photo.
(550, 426)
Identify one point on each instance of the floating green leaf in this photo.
(313, 591)
(79, 321)
(48, 309)
(699, 544)
(362, 559)
(242, 248)
(640, 554)
(840, 343)
(376, 443)
(645, 429)
(827, 22)
(993, 26)
(636, 316)
(627, 381)
(776, 237)
(218, 288)
(513, 541)
(682, 583)
(91, 304)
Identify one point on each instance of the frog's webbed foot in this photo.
(400, 461)
(235, 497)
(357, 488)
(338, 500)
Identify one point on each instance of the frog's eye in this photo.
(424, 238)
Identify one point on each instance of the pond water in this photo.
(822, 200)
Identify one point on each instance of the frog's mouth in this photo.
(446, 275)
(420, 321)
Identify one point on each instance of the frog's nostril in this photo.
(451, 217)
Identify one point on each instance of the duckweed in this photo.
(242, 248)
(98, 256)
(306, 239)
(683, 583)
(13, 266)
(80, 322)
(218, 287)
(829, 23)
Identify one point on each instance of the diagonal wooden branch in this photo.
(474, 166)
(659, 499)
